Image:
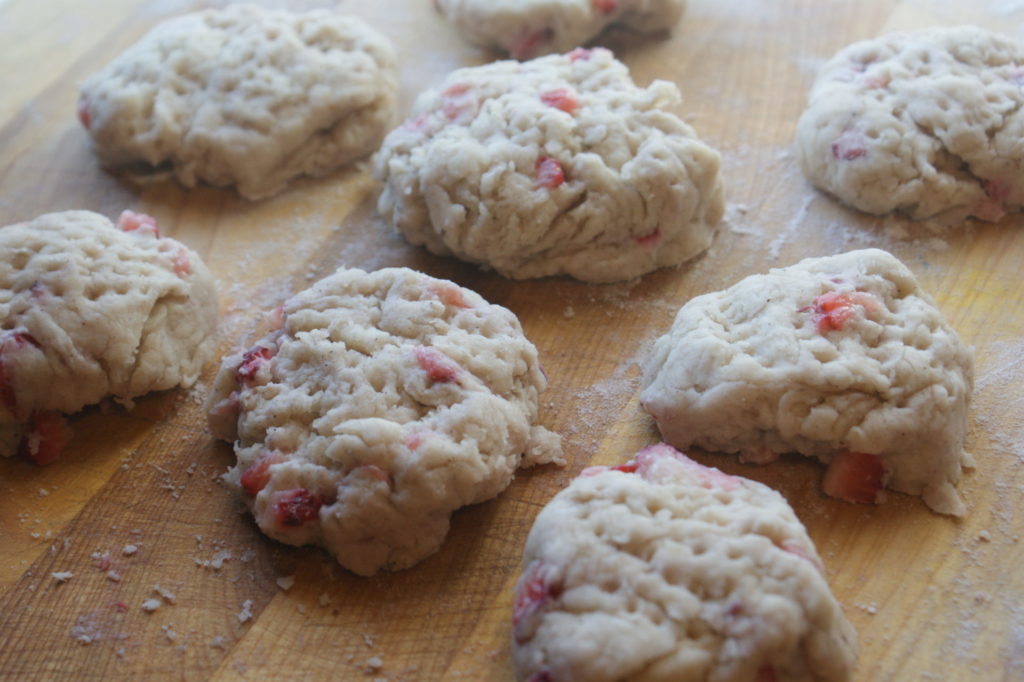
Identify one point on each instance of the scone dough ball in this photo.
(383, 402)
(663, 569)
(90, 309)
(923, 124)
(531, 28)
(842, 358)
(244, 97)
(559, 165)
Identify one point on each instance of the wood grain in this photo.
(931, 598)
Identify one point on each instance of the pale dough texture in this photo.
(384, 402)
(244, 97)
(559, 165)
(831, 356)
(663, 569)
(530, 28)
(925, 124)
(91, 311)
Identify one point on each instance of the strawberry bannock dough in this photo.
(842, 358)
(377, 405)
(926, 124)
(664, 569)
(530, 28)
(556, 166)
(92, 309)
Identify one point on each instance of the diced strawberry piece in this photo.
(664, 462)
(533, 593)
(277, 318)
(130, 221)
(437, 365)
(527, 44)
(833, 309)
(47, 435)
(628, 468)
(374, 472)
(450, 294)
(417, 122)
(796, 549)
(297, 507)
(83, 112)
(650, 239)
(121, 606)
(849, 145)
(549, 173)
(580, 53)
(605, 7)
(256, 477)
(997, 190)
(855, 477)
(766, 673)
(180, 262)
(252, 360)
(459, 102)
(990, 211)
(560, 98)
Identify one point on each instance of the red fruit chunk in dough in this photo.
(560, 98)
(130, 221)
(83, 112)
(47, 435)
(252, 360)
(527, 45)
(834, 308)
(437, 365)
(255, 478)
(297, 507)
(549, 173)
(532, 593)
(855, 477)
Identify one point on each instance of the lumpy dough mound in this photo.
(560, 165)
(925, 124)
(531, 28)
(663, 569)
(382, 403)
(89, 311)
(244, 97)
(842, 358)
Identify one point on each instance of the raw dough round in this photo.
(560, 165)
(921, 123)
(90, 310)
(842, 358)
(663, 569)
(530, 28)
(384, 402)
(244, 96)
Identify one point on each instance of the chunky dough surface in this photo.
(384, 402)
(244, 97)
(530, 28)
(831, 356)
(559, 165)
(91, 311)
(921, 123)
(663, 569)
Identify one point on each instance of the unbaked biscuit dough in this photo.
(663, 569)
(531, 28)
(382, 403)
(91, 310)
(925, 124)
(244, 97)
(559, 165)
(842, 358)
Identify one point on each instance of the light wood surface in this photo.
(931, 598)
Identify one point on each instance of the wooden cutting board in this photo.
(931, 598)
